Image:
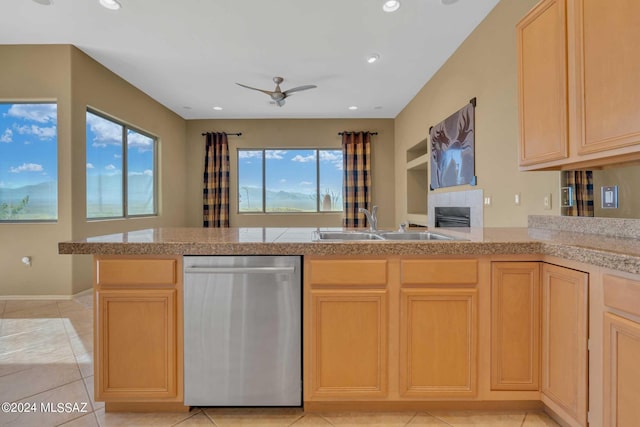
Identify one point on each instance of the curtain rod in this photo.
(226, 133)
(370, 133)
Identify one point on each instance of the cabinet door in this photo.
(136, 344)
(564, 340)
(438, 342)
(606, 73)
(621, 371)
(349, 343)
(515, 326)
(542, 83)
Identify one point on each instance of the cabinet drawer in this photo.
(348, 272)
(440, 272)
(622, 294)
(114, 272)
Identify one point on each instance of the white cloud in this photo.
(117, 156)
(7, 136)
(282, 181)
(139, 141)
(304, 159)
(27, 167)
(41, 113)
(306, 183)
(110, 167)
(333, 157)
(274, 154)
(106, 132)
(39, 131)
(249, 154)
(90, 166)
(147, 172)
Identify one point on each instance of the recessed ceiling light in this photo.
(186, 107)
(111, 4)
(391, 5)
(448, 2)
(44, 2)
(218, 108)
(373, 58)
(353, 107)
(378, 107)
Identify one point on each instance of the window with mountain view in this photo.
(300, 180)
(120, 170)
(28, 162)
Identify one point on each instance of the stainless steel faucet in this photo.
(371, 218)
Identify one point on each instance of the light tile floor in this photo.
(46, 353)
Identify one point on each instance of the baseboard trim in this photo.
(45, 297)
(373, 406)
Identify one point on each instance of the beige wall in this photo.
(484, 66)
(96, 87)
(301, 133)
(39, 73)
(66, 75)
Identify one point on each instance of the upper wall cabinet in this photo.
(578, 84)
(542, 83)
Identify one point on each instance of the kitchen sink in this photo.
(344, 235)
(414, 235)
(339, 236)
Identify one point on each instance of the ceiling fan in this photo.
(278, 95)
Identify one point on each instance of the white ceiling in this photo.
(188, 54)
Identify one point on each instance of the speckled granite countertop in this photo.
(618, 253)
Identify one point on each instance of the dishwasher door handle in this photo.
(238, 270)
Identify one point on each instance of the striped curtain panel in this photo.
(215, 194)
(356, 163)
(582, 184)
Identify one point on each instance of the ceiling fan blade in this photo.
(298, 89)
(255, 88)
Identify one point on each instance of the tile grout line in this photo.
(188, 418)
(412, 418)
(438, 418)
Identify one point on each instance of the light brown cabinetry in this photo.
(438, 342)
(621, 351)
(515, 325)
(564, 342)
(138, 330)
(542, 78)
(577, 68)
(390, 328)
(347, 327)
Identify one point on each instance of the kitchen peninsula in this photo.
(500, 319)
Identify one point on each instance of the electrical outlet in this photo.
(487, 200)
(547, 201)
(516, 199)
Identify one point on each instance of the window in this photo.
(289, 180)
(28, 162)
(121, 170)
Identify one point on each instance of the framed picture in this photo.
(453, 149)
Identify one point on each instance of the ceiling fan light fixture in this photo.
(391, 6)
(110, 4)
(353, 108)
(373, 58)
(218, 108)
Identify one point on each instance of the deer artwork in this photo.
(452, 158)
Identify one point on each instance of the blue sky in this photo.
(28, 144)
(291, 170)
(104, 149)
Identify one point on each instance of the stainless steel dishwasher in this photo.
(242, 331)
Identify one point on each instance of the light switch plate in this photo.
(609, 196)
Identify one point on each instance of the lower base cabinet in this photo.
(349, 343)
(621, 371)
(564, 341)
(438, 342)
(138, 331)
